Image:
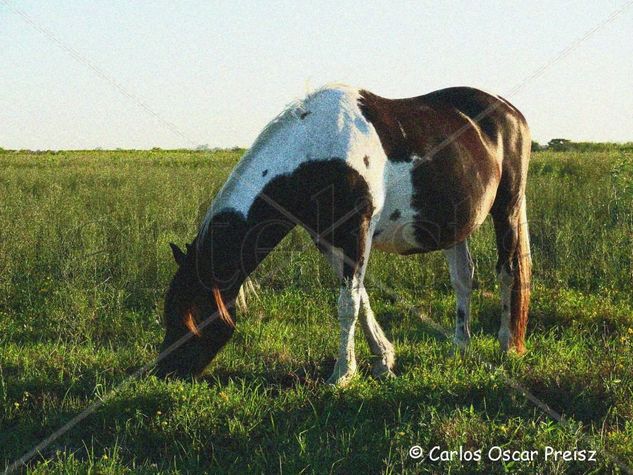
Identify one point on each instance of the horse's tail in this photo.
(522, 269)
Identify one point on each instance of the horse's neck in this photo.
(244, 224)
(257, 206)
(259, 167)
(233, 245)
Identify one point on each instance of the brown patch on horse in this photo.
(408, 126)
(384, 116)
(456, 131)
(366, 161)
(446, 193)
(328, 197)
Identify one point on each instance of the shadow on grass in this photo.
(99, 430)
(354, 422)
(310, 375)
(357, 422)
(573, 393)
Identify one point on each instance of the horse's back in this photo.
(493, 114)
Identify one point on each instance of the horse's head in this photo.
(196, 319)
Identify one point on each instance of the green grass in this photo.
(84, 263)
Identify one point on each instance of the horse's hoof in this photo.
(390, 360)
(460, 346)
(340, 381)
(341, 378)
(382, 372)
(504, 341)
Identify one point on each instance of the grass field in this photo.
(84, 263)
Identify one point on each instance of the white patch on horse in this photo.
(404, 134)
(349, 305)
(348, 309)
(397, 236)
(351, 296)
(334, 128)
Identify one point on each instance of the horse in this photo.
(358, 171)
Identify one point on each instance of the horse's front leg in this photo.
(380, 346)
(349, 262)
(348, 309)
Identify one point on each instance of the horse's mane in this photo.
(292, 111)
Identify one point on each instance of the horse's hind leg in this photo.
(380, 346)
(513, 271)
(461, 269)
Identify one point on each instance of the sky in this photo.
(110, 74)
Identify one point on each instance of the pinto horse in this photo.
(359, 171)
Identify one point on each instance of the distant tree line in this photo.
(556, 145)
(566, 145)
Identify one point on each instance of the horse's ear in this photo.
(179, 256)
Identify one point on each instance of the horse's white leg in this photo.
(348, 309)
(351, 271)
(380, 346)
(461, 268)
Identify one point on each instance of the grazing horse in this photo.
(359, 171)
